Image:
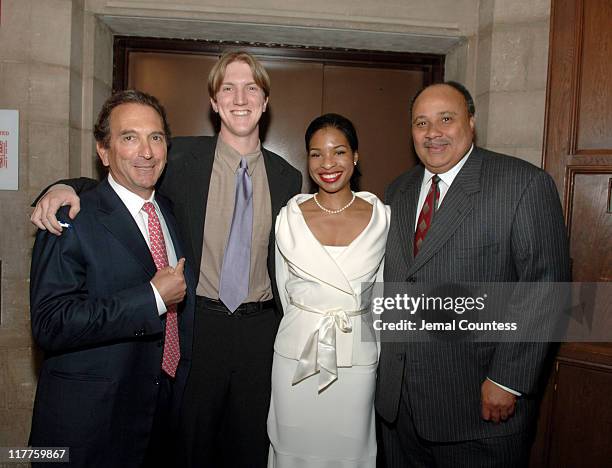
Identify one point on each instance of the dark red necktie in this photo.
(172, 350)
(427, 214)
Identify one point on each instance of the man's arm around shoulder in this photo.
(63, 312)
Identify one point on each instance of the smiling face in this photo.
(136, 151)
(442, 130)
(240, 102)
(331, 161)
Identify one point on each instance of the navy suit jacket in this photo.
(94, 315)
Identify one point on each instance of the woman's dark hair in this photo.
(334, 121)
(347, 128)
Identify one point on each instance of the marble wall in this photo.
(35, 79)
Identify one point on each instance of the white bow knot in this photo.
(319, 353)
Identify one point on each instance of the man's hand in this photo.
(170, 283)
(57, 196)
(496, 403)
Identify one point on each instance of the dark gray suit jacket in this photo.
(187, 178)
(501, 221)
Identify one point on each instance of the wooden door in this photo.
(578, 145)
(372, 89)
(576, 424)
(378, 103)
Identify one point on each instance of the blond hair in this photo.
(217, 74)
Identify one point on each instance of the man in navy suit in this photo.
(223, 419)
(112, 304)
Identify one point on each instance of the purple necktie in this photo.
(234, 278)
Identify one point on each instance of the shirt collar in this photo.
(449, 175)
(232, 158)
(131, 201)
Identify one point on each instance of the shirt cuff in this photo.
(514, 392)
(161, 306)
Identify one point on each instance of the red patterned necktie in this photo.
(172, 351)
(427, 214)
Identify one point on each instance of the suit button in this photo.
(400, 357)
(156, 381)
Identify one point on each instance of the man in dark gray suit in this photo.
(465, 215)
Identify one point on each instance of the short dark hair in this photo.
(128, 96)
(334, 121)
(469, 101)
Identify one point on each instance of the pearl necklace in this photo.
(334, 211)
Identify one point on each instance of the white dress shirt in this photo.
(134, 204)
(444, 184)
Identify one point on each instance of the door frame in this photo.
(432, 65)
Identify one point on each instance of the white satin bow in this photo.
(319, 353)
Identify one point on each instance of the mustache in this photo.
(438, 142)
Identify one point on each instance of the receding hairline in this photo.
(441, 85)
(141, 104)
(465, 93)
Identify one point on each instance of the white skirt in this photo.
(331, 429)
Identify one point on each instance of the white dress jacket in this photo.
(327, 321)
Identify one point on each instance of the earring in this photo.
(354, 163)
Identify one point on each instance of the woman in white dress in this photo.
(329, 253)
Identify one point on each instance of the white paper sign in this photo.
(9, 149)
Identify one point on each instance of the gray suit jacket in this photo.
(501, 221)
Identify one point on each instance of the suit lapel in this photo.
(200, 168)
(171, 225)
(456, 205)
(277, 184)
(115, 217)
(304, 252)
(406, 214)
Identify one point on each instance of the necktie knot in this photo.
(435, 189)
(148, 208)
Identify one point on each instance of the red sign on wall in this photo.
(3, 154)
(9, 149)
